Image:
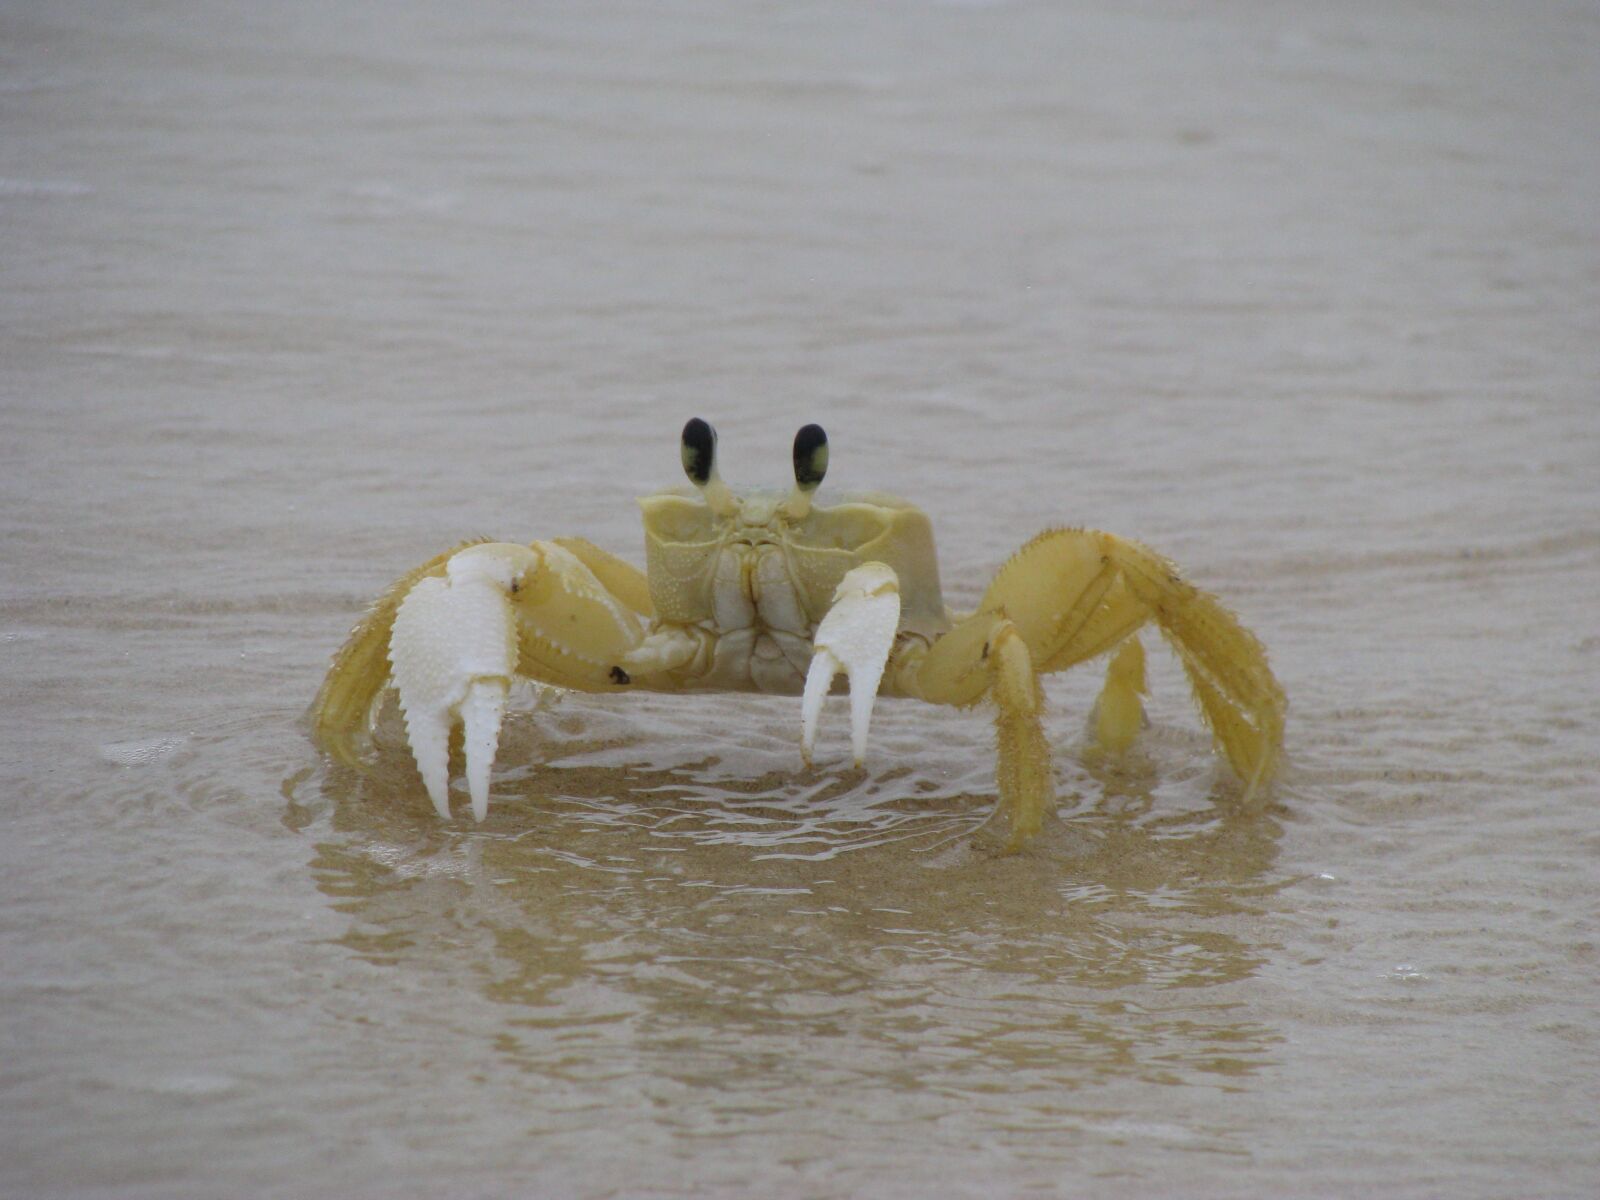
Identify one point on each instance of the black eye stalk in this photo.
(810, 465)
(700, 465)
(700, 452)
(810, 458)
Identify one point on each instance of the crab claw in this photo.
(855, 638)
(452, 652)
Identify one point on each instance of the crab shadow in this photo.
(668, 894)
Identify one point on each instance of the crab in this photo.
(771, 592)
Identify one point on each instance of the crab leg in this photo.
(985, 656)
(1070, 595)
(854, 638)
(1077, 593)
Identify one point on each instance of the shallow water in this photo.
(296, 297)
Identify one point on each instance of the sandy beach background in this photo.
(297, 295)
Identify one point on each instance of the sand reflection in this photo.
(778, 933)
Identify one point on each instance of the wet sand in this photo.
(294, 299)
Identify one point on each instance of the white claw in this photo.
(481, 711)
(855, 637)
(819, 679)
(429, 735)
(452, 653)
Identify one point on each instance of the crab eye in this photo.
(810, 457)
(699, 451)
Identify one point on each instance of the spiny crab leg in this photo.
(453, 651)
(855, 637)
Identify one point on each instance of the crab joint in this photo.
(668, 649)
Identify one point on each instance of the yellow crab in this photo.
(772, 593)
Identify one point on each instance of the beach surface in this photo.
(296, 296)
